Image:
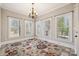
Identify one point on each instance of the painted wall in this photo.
(76, 28)
(75, 25)
(0, 25)
(5, 14)
(65, 9)
(71, 7)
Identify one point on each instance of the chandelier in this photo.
(33, 14)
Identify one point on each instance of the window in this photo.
(28, 28)
(64, 26)
(39, 28)
(43, 28)
(47, 28)
(14, 27)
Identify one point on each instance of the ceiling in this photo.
(24, 8)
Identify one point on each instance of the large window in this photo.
(28, 28)
(43, 28)
(64, 26)
(39, 28)
(46, 28)
(14, 27)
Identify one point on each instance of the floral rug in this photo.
(34, 47)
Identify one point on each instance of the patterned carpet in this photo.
(34, 47)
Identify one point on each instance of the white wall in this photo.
(0, 25)
(65, 9)
(75, 25)
(4, 23)
(76, 28)
(71, 7)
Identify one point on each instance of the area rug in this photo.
(34, 47)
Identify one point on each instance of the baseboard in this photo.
(57, 42)
(52, 41)
(13, 41)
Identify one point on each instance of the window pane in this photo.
(62, 26)
(28, 28)
(14, 27)
(47, 28)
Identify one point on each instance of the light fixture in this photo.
(33, 14)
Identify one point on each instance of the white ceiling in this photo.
(24, 8)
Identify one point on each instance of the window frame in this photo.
(42, 22)
(70, 38)
(18, 20)
(27, 21)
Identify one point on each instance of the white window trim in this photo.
(26, 21)
(17, 19)
(70, 39)
(43, 36)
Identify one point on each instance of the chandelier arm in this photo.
(33, 13)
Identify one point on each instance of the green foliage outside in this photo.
(61, 26)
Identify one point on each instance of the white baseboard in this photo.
(6, 42)
(52, 41)
(57, 42)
